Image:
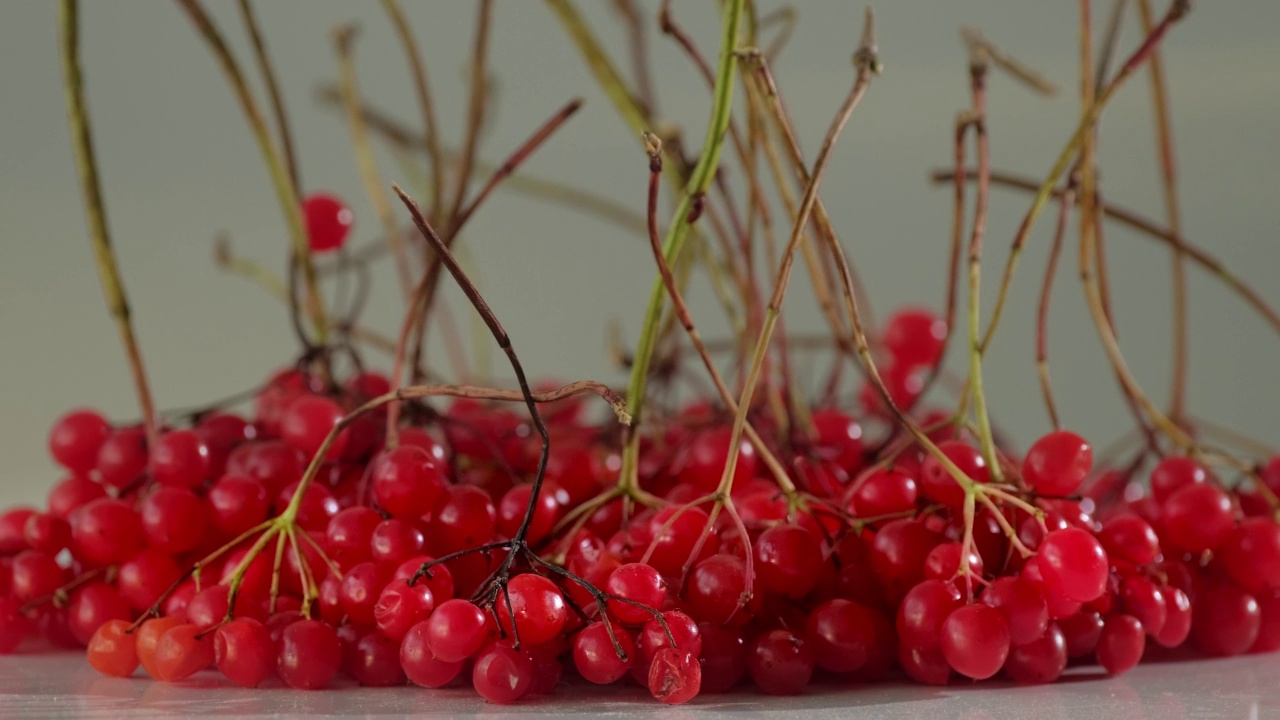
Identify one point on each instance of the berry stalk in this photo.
(96, 212)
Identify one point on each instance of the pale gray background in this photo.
(179, 166)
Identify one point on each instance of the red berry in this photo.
(72, 493)
(923, 611)
(180, 459)
(174, 519)
(307, 422)
(675, 677)
(375, 661)
(456, 631)
(1130, 538)
(1121, 644)
(702, 462)
(113, 650)
(1073, 564)
(1057, 463)
(975, 641)
(408, 482)
(1039, 661)
(537, 607)
(780, 663)
(310, 655)
(639, 583)
(937, 482)
(1174, 473)
(419, 663)
(179, 654)
(91, 607)
(595, 657)
(788, 559)
(75, 439)
(1225, 620)
(1177, 624)
(914, 337)
(401, 606)
(35, 574)
(842, 635)
(148, 638)
(1251, 555)
(1198, 517)
(237, 503)
(122, 457)
(884, 492)
(502, 675)
(244, 652)
(1023, 606)
(328, 221)
(105, 532)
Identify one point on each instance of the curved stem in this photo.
(96, 211)
(435, 157)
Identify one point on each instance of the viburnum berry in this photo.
(914, 337)
(456, 631)
(501, 674)
(180, 459)
(113, 649)
(75, 438)
(182, 652)
(975, 641)
(328, 221)
(1073, 564)
(309, 656)
(841, 635)
(1024, 608)
(596, 658)
(148, 638)
(244, 652)
(675, 677)
(1121, 644)
(1197, 517)
(884, 492)
(537, 609)
(106, 531)
(237, 503)
(1130, 538)
(780, 663)
(938, 484)
(408, 482)
(122, 457)
(1174, 473)
(1225, 620)
(1251, 554)
(637, 582)
(401, 606)
(306, 424)
(788, 559)
(1039, 661)
(1057, 463)
(419, 662)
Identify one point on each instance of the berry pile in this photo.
(866, 570)
(346, 523)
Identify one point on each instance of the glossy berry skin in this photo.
(47, 533)
(328, 221)
(106, 531)
(841, 635)
(456, 631)
(923, 611)
(1145, 601)
(675, 677)
(1251, 555)
(1177, 624)
(112, 650)
(35, 574)
(788, 559)
(420, 665)
(1039, 661)
(1225, 620)
(502, 675)
(1174, 473)
(244, 652)
(653, 638)
(122, 457)
(179, 654)
(180, 459)
(702, 462)
(1057, 463)
(148, 638)
(1121, 644)
(306, 424)
(938, 484)
(237, 503)
(884, 492)
(1131, 539)
(174, 519)
(914, 337)
(72, 493)
(1198, 517)
(92, 606)
(75, 438)
(637, 582)
(408, 482)
(780, 663)
(1023, 606)
(512, 507)
(310, 655)
(1073, 564)
(538, 609)
(401, 606)
(595, 657)
(375, 661)
(975, 641)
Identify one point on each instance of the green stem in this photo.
(699, 182)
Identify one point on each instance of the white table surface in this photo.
(48, 685)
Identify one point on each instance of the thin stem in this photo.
(343, 41)
(435, 156)
(977, 77)
(286, 192)
(699, 181)
(1042, 314)
(1150, 229)
(475, 111)
(638, 44)
(96, 211)
(654, 147)
(867, 63)
(273, 90)
(1177, 10)
(1169, 186)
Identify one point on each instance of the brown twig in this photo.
(1042, 314)
(422, 89)
(96, 211)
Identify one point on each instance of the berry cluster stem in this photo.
(96, 212)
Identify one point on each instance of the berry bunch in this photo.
(346, 524)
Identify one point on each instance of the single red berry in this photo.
(328, 221)
(596, 658)
(113, 649)
(122, 457)
(180, 459)
(75, 439)
(456, 631)
(1057, 463)
(1130, 538)
(975, 641)
(421, 665)
(1073, 564)
(1198, 517)
(915, 337)
(675, 677)
(502, 675)
(788, 559)
(537, 609)
(937, 482)
(1039, 661)
(780, 663)
(408, 482)
(310, 655)
(637, 582)
(244, 652)
(182, 652)
(1173, 473)
(105, 532)
(307, 422)
(1121, 644)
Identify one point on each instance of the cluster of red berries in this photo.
(867, 570)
